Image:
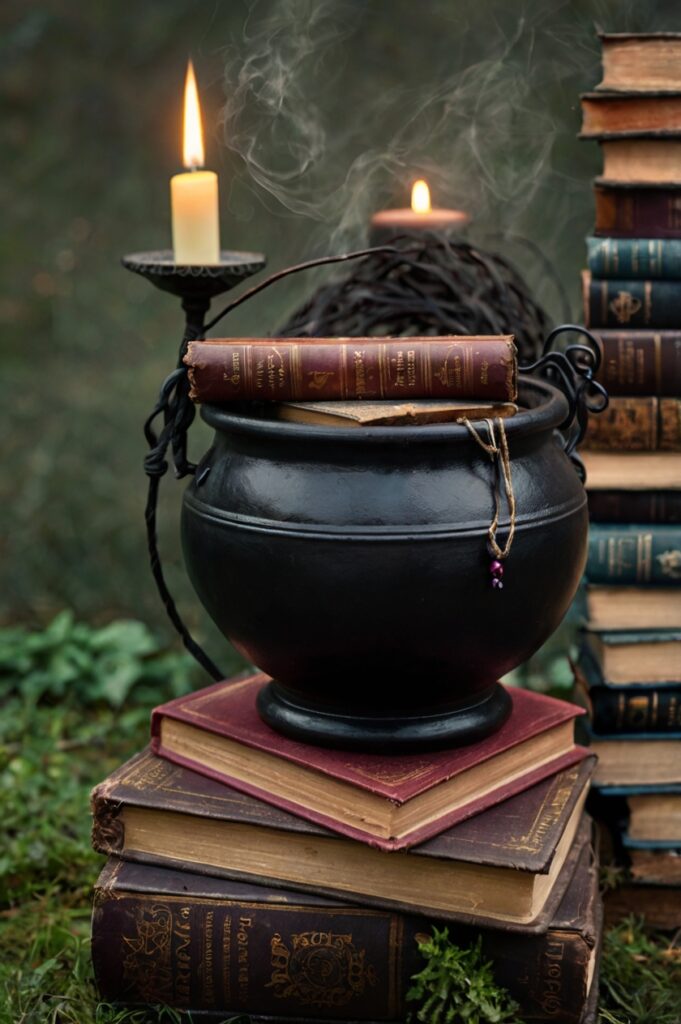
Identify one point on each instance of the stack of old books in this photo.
(629, 672)
(251, 873)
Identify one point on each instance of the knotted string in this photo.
(499, 454)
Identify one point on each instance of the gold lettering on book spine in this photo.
(207, 959)
(243, 958)
(319, 969)
(227, 961)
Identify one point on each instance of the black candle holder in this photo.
(196, 286)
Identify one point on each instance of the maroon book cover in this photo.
(637, 211)
(228, 709)
(309, 369)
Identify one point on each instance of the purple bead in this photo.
(496, 582)
(496, 568)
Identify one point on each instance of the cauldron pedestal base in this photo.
(453, 727)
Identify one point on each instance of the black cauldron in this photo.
(351, 565)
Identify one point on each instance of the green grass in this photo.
(76, 702)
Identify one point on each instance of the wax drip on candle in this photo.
(194, 196)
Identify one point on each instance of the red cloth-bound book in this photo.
(391, 802)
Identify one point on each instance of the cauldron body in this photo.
(351, 565)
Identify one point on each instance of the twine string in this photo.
(499, 454)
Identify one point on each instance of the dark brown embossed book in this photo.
(311, 369)
(616, 505)
(219, 947)
(502, 865)
(388, 801)
(641, 362)
(636, 424)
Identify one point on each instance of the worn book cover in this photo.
(633, 553)
(613, 115)
(308, 369)
(633, 471)
(390, 801)
(151, 810)
(630, 607)
(646, 158)
(636, 655)
(636, 423)
(634, 257)
(629, 302)
(637, 211)
(649, 61)
(388, 414)
(215, 946)
(614, 504)
(629, 709)
(641, 362)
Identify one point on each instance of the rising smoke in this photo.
(334, 106)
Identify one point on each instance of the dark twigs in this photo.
(425, 285)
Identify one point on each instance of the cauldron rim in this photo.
(543, 407)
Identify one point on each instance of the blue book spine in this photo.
(635, 258)
(631, 303)
(626, 553)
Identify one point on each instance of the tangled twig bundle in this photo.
(433, 286)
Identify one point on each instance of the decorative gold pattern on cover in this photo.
(320, 969)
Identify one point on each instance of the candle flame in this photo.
(420, 196)
(192, 148)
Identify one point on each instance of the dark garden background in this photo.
(315, 115)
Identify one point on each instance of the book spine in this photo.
(637, 212)
(621, 555)
(288, 962)
(285, 371)
(637, 258)
(617, 506)
(641, 362)
(636, 425)
(630, 303)
(627, 710)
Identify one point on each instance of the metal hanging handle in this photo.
(573, 370)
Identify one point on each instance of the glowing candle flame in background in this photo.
(420, 197)
(192, 149)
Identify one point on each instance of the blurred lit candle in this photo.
(194, 196)
(420, 216)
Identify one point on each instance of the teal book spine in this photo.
(640, 713)
(634, 553)
(637, 258)
(626, 302)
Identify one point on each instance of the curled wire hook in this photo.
(573, 369)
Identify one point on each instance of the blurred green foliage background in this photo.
(315, 114)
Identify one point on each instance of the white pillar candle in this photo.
(196, 226)
(194, 195)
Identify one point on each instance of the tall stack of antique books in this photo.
(251, 873)
(629, 671)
